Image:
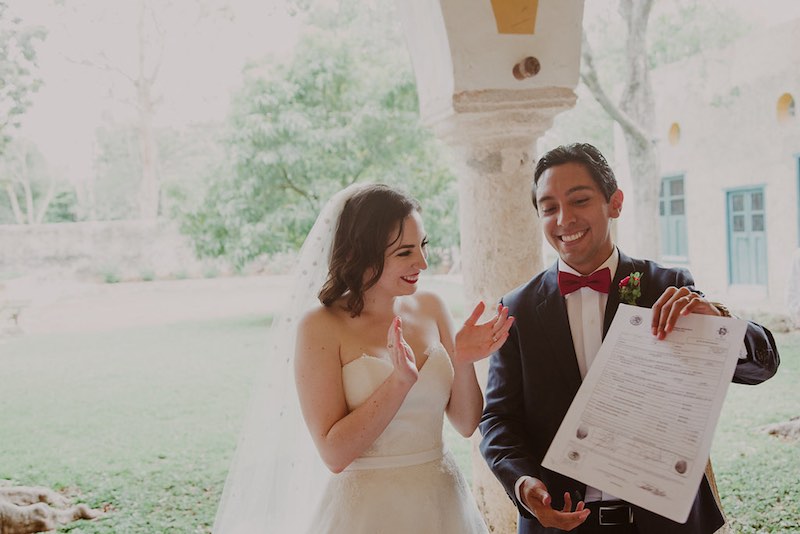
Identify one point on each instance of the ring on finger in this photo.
(390, 345)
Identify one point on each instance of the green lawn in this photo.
(758, 475)
(145, 420)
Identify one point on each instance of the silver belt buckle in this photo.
(605, 523)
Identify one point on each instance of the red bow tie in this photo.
(598, 280)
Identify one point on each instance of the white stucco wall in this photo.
(725, 103)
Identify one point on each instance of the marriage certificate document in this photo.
(643, 420)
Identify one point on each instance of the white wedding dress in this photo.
(405, 483)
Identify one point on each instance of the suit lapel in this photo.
(625, 267)
(552, 315)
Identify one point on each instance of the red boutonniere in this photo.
(630, 288)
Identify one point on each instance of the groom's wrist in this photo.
(518, 493)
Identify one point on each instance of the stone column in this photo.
(493, 136)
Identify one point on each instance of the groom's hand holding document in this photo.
(642, 423)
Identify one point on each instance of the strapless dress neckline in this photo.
(437, 349)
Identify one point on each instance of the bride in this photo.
(377, 365)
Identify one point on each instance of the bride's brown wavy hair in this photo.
(363, 233)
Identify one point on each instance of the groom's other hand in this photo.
(675, 302)
(535, 497)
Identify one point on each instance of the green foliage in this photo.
(26, 180)
(185, 155)
(18, 70)
(118, 173)
(684, 29)
(210, 272)
(344, 109)
(63, 207)
(18, 81)
(110, 275)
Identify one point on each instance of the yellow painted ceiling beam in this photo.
(515, 16)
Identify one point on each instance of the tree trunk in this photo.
(12, 198)
(45, 202)
(636, 116)
(637, 101)
(150, 189)
(645, 175)
(87, 208)
(29, 215)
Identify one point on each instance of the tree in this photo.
(18, 70)
(115, 183)
(150, 42)
(18, 81)
(34, 195)
(343, 110)
(157, 23)
(185, 155)
(683, 30)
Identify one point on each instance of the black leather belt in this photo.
(610, 513)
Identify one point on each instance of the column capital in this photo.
(502, 115)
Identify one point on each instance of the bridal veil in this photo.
(276, 475)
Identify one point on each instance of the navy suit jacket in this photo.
(534, 377)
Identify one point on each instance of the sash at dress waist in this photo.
(403, 460)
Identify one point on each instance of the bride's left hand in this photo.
(476, 341)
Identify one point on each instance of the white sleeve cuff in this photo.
(517, 485)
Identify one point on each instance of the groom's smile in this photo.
(573, 237)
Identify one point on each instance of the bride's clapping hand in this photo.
(476, 341)
(403, 359)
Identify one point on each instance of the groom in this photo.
(561, 316)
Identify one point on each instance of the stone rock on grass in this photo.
(786, 430)
(26, 510)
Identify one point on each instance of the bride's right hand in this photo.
(403, 359)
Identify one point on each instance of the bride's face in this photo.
(405, 257)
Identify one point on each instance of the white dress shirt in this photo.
(586, 310)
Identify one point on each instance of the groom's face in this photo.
(576, 218)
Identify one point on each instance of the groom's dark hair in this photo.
(370, 222)
(583, 154)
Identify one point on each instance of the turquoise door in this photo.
(672, 212)
(747, 238)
